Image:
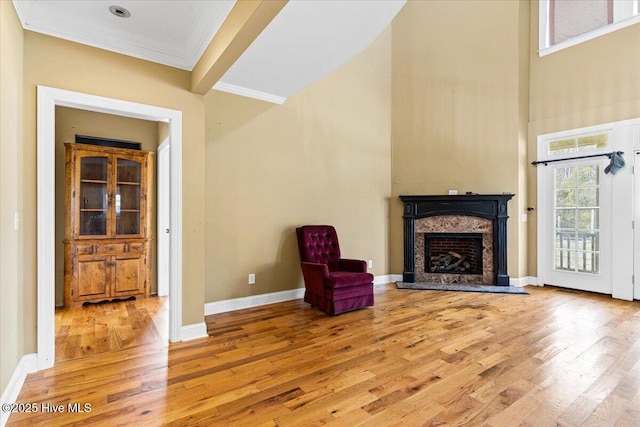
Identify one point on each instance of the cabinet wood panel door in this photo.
(129, 206)
(92, 277)
(129, 277)
(92, 171)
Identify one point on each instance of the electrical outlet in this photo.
(453, 192)
(524, 217)
(252, 279)
(370, 263)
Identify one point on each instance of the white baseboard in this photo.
(387, 278)
(28, 364)
(524, 281)
(252, 301)
(273, 297)
(195, 331)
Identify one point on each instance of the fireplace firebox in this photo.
(453, 253)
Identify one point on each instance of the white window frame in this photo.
(543, 35)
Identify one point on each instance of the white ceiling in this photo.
(170, 32)
(307, 40)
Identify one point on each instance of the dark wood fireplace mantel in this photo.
(489, 206)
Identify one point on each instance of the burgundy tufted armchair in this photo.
(332, 284)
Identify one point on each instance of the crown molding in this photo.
(250, 93)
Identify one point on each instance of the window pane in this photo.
(588, 219)
(565, 177)
(593, 142)
(588, 197)
(587, 175)
(574, 17)
(566, 218)
(563, 20)
(565, 240)
(588, 241)
(563, 146)
(587, 262)
(565, 198)
(565, 260)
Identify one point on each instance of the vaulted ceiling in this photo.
(266, 49)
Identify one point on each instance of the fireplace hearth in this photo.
(456, 239)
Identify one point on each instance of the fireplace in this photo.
(463, 237)
(454, 253)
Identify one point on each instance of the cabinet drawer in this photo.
(84, 249)
(111, 248)
(137, 248)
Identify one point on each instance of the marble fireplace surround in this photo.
(454, 224)
(478, 213)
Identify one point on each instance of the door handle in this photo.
(166, 231)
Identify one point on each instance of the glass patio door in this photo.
(576, 232)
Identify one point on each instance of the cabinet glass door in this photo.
(93, 196)
(128, 203)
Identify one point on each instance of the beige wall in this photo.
(595, 82)
(57, 63)
(71, 122)
(459, 79)
(323, 157)
(11, 134)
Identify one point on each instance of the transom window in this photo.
(578, 144)
(564, 23)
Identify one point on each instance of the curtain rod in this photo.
(544, 162)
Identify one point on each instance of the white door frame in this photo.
(622, 194)
(164, 217)
(48, 99)
(636, 231)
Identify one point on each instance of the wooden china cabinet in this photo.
(108, 235)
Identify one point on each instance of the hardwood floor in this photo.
(418, 358)
(110, 326)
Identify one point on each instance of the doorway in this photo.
(48, 99)
(585, 215)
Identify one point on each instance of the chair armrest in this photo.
(352, 265)
(314, 275)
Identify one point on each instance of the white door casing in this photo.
(48, 99)
(164, 217)
(636, 230)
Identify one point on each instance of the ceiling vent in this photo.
(119, 11)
